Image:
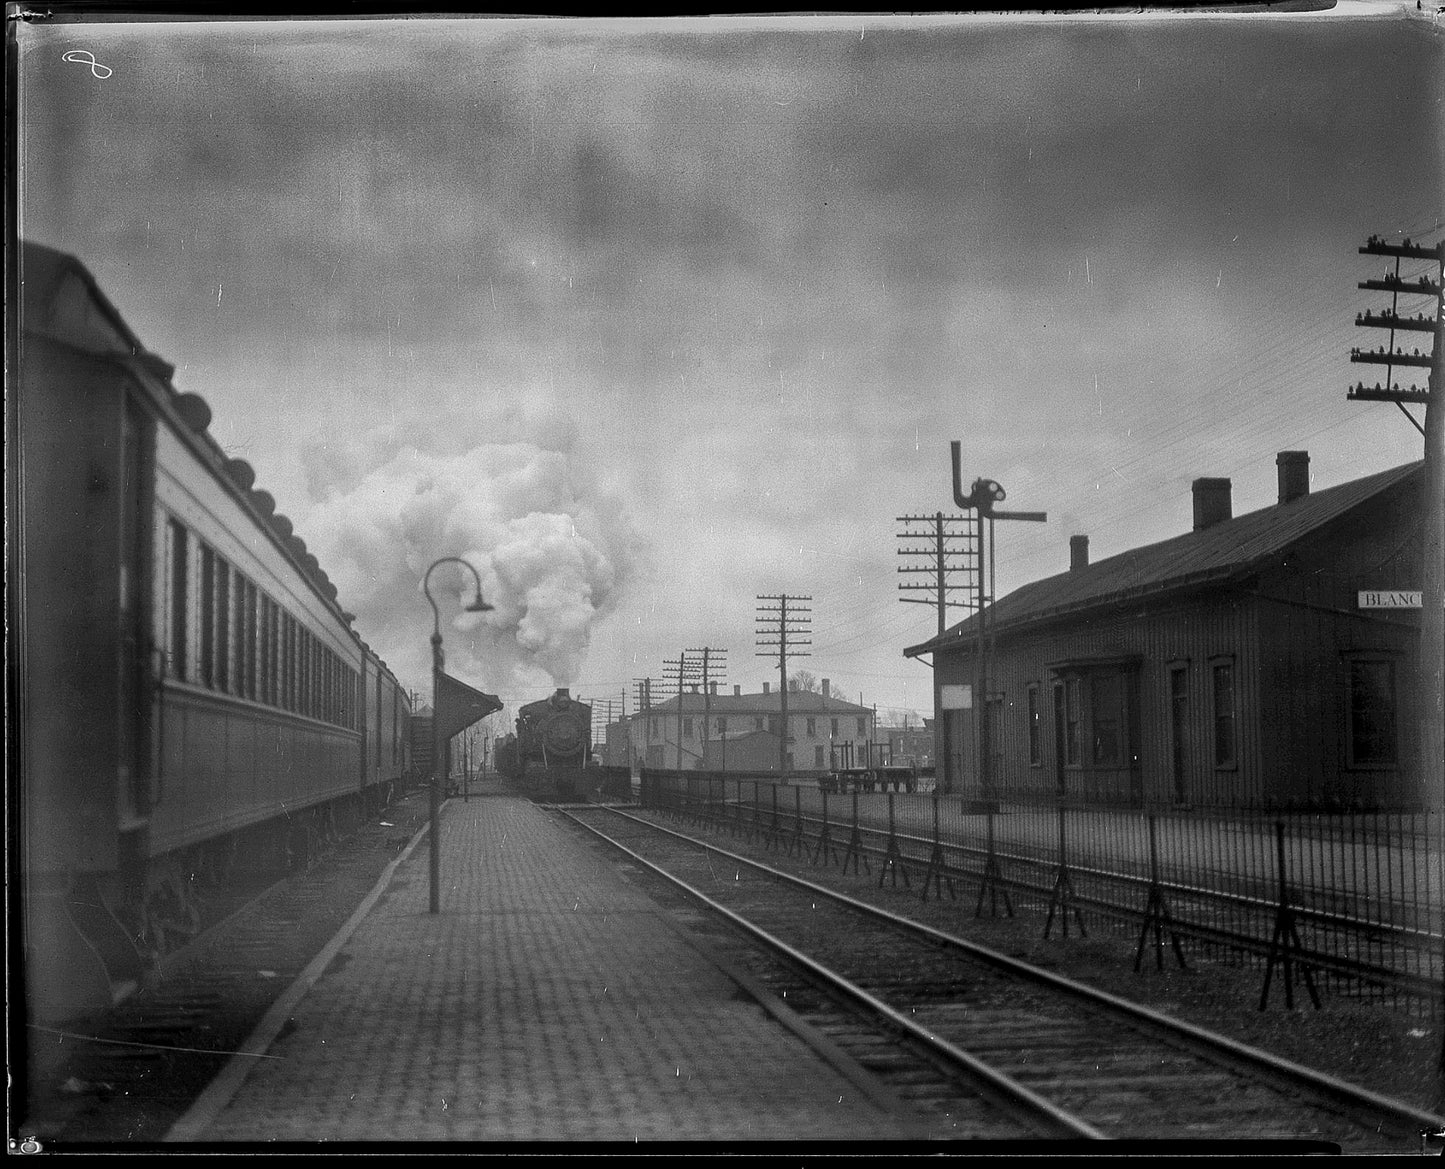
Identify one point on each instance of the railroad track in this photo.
(979, 1044)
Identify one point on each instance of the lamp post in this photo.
(477, 606)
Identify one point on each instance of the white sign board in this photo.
(1390, 599)
(956, 697)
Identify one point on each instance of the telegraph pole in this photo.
(1429, 323)
(777, 621)
(946, 544)
(710, 657)
(644, 707)
(680, 671)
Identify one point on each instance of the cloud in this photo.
(553, 550)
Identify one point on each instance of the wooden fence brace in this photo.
(773, 836)
(893, 857)
(993, 884)
(937, 864)
(1285, 944)
(855, 853)
(797, 842)
(1156, 912)
(1062, 898)
(825, 848)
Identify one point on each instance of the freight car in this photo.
(191, 703)
(550, 756)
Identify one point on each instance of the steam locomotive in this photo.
(550, 756)
(192, 709)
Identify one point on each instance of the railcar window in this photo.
(268, 650)
(222, 680)
(396, 726)
(307, 672)
(208, 615)
(293, 665)
(238, 636)
(178, 599)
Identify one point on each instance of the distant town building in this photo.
(740, 732)
(909, 744)
(1264, 659)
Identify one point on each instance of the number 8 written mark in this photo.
(84, 57)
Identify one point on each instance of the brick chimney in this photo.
(737, 691)
(1078, 553)
(825, 687)
(765, 687)
(1294, 475)
(1211, 503)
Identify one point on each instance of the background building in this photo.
(740, 732)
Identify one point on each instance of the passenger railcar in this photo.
(549, 756)
(190, 698)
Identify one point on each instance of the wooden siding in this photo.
(1311, 628)
(1191, 632)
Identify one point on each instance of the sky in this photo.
(650, 319)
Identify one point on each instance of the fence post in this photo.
(1285, 944)
(1062, 898)
(1156, 912)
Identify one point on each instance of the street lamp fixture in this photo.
(477, 606)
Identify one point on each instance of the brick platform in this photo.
(547, 1001)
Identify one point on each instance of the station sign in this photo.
(956, 697)
(1390, 599)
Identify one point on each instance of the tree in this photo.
(803, 680)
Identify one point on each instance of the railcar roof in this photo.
(1217, 553)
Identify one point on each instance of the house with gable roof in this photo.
(740, 732)
(1264, 660)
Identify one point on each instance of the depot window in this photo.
(1373, 741)
(1035, 743)
(1225, 720)
(1072, 722)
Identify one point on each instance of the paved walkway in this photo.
(547, 1001)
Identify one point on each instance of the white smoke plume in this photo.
(552, 550)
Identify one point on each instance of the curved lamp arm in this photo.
(477, 606)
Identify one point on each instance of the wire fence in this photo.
(1347, 903)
